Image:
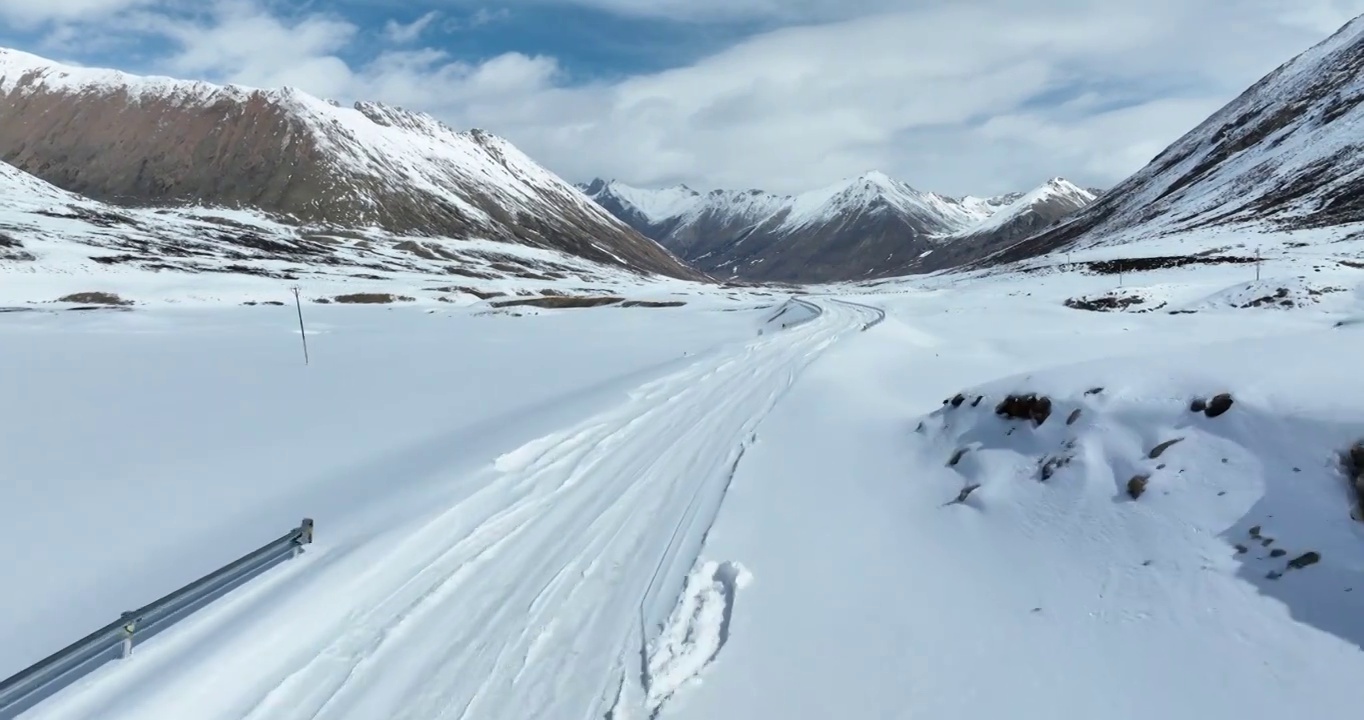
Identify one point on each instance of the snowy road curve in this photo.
(528, 598)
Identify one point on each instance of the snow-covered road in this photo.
(534, 595)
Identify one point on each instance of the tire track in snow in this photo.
(526, 599)
(695, 634)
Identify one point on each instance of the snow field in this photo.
(556, 515)
(202, 434)
(529, 588)
(879, 597)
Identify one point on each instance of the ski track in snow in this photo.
(526, 599)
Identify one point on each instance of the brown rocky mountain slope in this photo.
(140, 141)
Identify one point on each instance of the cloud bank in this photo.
(979, 96)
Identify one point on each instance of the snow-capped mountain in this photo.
(1286, 154)
(1023, 214)
(1030, 212)
(868, 226)
(684, 220)
(55, 243)
(157, 141)
(1038, 208)
(983, 208)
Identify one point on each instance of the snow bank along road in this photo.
(533, 596)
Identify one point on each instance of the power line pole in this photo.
(302, 332)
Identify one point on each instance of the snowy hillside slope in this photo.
(1283, 155)
(156, 141)
(54, 243)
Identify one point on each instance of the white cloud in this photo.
(722, 10)
(926, 95)
(949, 96)
(1321, 16)
(405, 33)
(29, 13)
(241, 42)
(484, 16)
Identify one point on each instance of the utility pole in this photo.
(1257, 264)
(302, 332)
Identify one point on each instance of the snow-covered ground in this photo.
(55, 244)
(735, 508)
(872, 596)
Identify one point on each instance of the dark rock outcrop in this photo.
(1025, 407)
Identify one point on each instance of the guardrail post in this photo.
(129, 626)
(305, 536)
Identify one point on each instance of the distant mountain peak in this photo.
(868, 223)
(596, 186)
(1033, 210)
(876, 177)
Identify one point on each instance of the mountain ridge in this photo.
(1282, 155)
(867, 225)
(133, 141)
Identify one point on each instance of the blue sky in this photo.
(960, 97)
(590, 43)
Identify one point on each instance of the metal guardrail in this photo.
(115, 640)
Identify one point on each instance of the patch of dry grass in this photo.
(95, 298)
(653, 303)
(372, 298)
(561, 302)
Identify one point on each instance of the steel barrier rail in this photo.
(115, 640)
